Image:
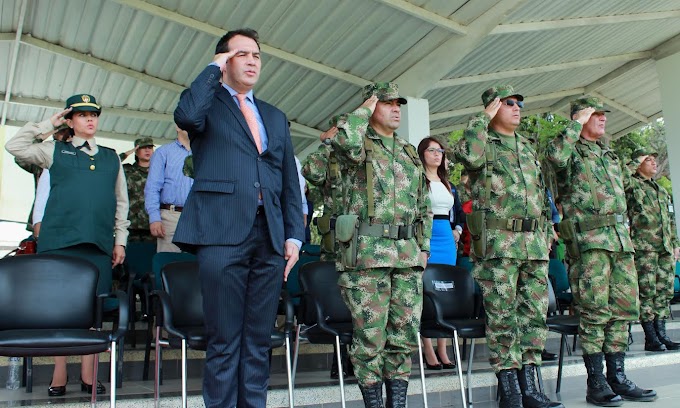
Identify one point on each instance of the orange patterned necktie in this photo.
(251, 120)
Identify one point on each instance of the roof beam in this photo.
(299, 130)
(582, 22)
(446, 83)
(636, 126)
(109, 135)
(528, 99)
(621, 108)
(219, 32)
(667, 48)
(427, 16)
(420, 78)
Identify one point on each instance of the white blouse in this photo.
(440, 198)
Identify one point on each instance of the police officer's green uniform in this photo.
(600, 253)
(387, 204)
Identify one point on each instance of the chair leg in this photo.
(119, 366)
(29, 374)
(296, 347)
(93, 397)
(341, 376)
(147, 348)
(157, 365)
(422, 372)
(114, 379)
(563, 345)
(469, 371)
(456, 352)
(288, 372)
(184, 373)
(540, 379)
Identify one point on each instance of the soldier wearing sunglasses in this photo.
(509, 227)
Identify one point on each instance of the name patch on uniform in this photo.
(443, 286)
(67, 152)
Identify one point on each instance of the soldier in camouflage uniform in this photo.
(321, 169)
(510, 232)
(136, 175)
(652, 230)
(382, 286)
(599, 250)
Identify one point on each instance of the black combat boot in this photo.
(652, 342)
(396, 393)
(372, 395)
(660, 327)
(508, 387)
(599, 392)
(532, 397)
(616, 377)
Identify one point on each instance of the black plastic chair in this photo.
(51, 306)
(565, 325)
(449, 311)
(181, 315)
(323, 312)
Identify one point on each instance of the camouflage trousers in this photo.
(656, 276)
(386, 304)
(516, 302)
(605, 289)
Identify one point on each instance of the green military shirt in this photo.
(318, 171)
(569, 153)
(400, 194)
(136, 180)
(517, 189)
(651, 214)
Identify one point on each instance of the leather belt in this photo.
(513, 224)
(599, 221)
(171, 207)
(387, 231)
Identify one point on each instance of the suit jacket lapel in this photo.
(228, 100)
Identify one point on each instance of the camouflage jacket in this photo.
(568, 153)
(400, 194)
(651, 214)
(188, 168)
(317, 170)
(517, 189)
(136, 180)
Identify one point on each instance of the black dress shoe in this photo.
(548, 356)
(56, 391)
(429, 366)
(88, 387)
(446, 366)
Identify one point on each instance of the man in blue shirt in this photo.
(167, 189)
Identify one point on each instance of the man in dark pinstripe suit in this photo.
(243, 217)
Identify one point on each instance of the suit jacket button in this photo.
(259, 159)
(257, 185)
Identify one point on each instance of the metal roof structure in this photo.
(137, 56)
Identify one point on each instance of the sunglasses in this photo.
(511, 102)
(435, 150)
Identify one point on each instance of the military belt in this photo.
(599, 221)
(387, 231)
(512, 224)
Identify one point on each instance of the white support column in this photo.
(415, 120)
(667, 69)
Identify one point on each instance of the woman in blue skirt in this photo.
(443, 242)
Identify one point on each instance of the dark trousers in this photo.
(240, 286)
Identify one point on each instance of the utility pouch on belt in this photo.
(346, 234)
(476, 222)
(568, 235)
(326, 226)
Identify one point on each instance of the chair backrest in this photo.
(453, 289)
(319, 282)
(293, 282)
(47, 292)
(139, 257)
(183, 286)
(162, 258)
(552, 299)
(558, 272)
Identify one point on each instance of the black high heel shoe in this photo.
(59, 391)
(429, 366)
(88, 387)
(446, 366)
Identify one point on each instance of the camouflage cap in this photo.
(641, 154)
(587, 102)
(385, 91)
(144, 141)
(501, 92)
(82, 103)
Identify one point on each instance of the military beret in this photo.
(82, 103)
(501, 92)
(385, 91)
(588, 102)
(144, 141)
